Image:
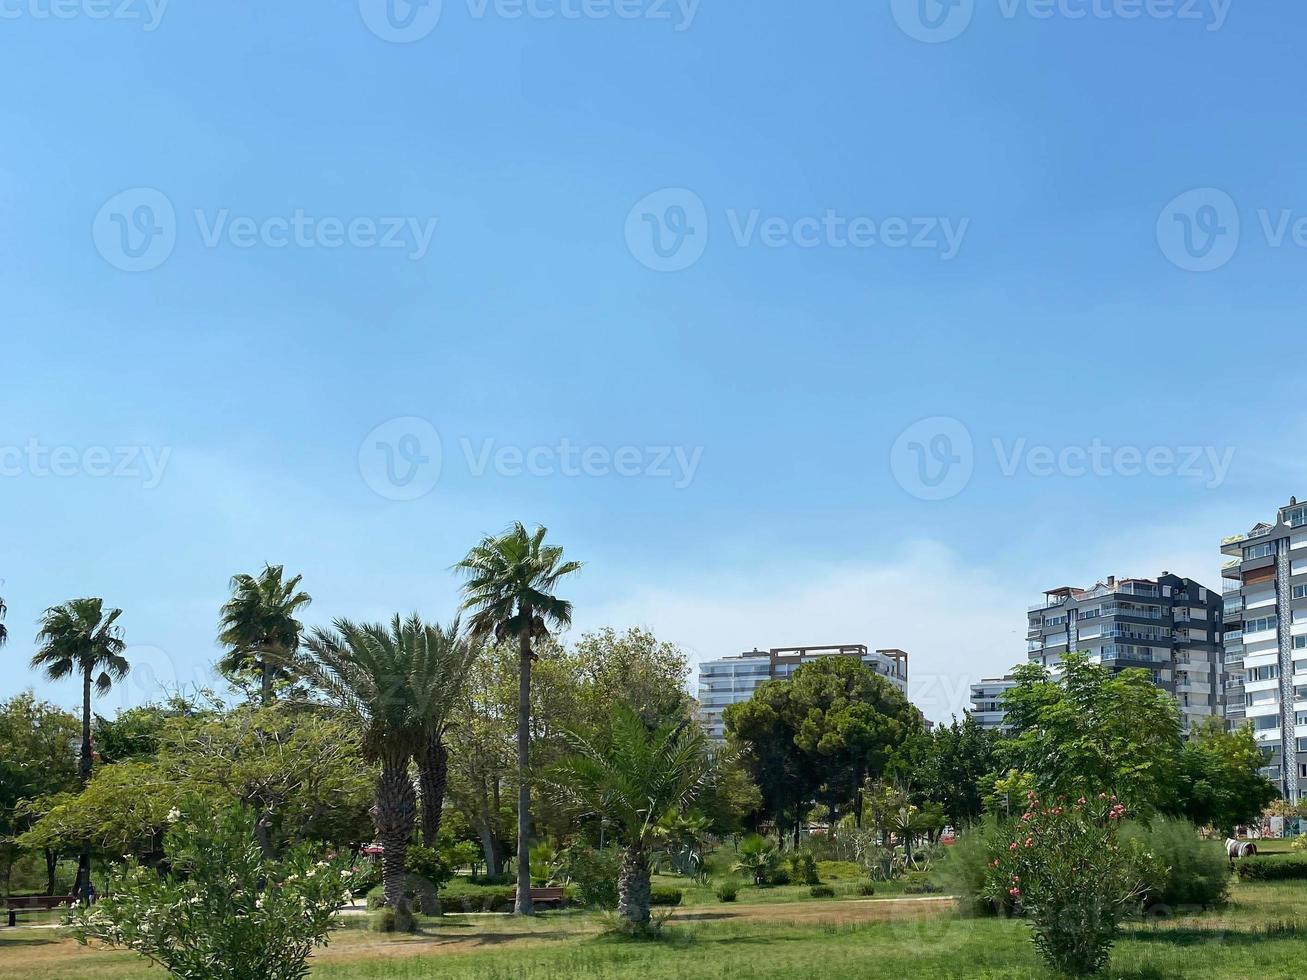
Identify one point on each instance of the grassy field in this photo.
(1262, 935)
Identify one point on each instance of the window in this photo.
(1296, 516)
(1300, 591)
(1261, 623)
(1300, 642)
(1259, 550)
(1269, 672)
(1266, 723)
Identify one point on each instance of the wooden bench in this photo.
(34, 903)
(544, 896)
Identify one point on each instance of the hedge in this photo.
(1272, 867)
(665, 896)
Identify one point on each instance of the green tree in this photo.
(1090, 730)
(758, 731)
(952, 765)
(632, 778)
(396, 684)
(80, 638)
(37, 761)
(511, 580)
(258, 626)
(1220, 784)
(635, 668)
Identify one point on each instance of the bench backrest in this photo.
(37, 901)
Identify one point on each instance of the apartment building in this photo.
(1265, 590)
(987, 700)
(1169, 626)
(730, 680)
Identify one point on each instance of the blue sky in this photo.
(1018, 192)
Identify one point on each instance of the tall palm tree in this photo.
(633, 778)
(258, 625)
(80, 638)
(510, 594)
(396, 683)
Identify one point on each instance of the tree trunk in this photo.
(432, 770)
(51, 867)
(395, 814)
(633, 889)
(524, 905)
(265, 669)
(83, 886)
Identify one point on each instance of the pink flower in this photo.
(1030, 842)
(1014, 892)
(1012, 846)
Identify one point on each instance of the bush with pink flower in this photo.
(1064, 867)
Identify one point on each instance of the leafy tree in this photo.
(396, 684)
(951, 765)
(637, 669)
(259, 628)
(1091, 730)
(510, 594)
(848, 720)
(821, 735)
(225, 910)
(1220, 785)
(80, 638)
(633, 777)
(37, 761)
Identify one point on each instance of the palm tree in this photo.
(632, 777)
(80, 638)
(396, 683)
(259, 627)
(510, 594)
(4, 633)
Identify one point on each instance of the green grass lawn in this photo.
(1262, 935)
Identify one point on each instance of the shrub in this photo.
(803, 869)
(665, 896)
(226, 911)
(1069, 876)
(594, 872)
(481, 900)
(759, 858)
(840, 869)
(1188, 871)
(921, 888)
(866, 888)
(780, 876)
(1272, 867)
(821, 891)
(965, 868)
(727, 891)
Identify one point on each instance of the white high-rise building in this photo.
(1265, 591)
(731, 680)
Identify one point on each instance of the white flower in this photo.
(174, 815)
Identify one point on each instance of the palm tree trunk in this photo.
(265, 669)
(83, 887)
(523, 904)
(395, 814)
(633, 889)
(433, 768)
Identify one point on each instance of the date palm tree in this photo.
(633, 778)
(510, 594)
(396, 683)
(81, 638)
(258, 625)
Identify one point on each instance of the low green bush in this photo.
(922, 888)
(479, 900)
(1188, 871)
(866, 888)
(965, 866)
(593, 872)
(1272, 867)
(821, 891)
(840, 870)
(727, 891)
(803, 869)
(779, 877)
(665, 896)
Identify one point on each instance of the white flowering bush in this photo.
(222, 910)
